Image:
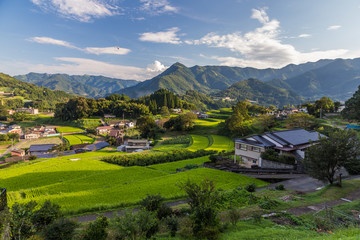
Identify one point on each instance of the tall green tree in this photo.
(352, 107)
(237, 123)
(301, 120)
(340, 149)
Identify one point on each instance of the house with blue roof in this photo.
(289, 142)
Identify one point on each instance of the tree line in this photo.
(120, 106)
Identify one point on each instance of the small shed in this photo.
(40, 148)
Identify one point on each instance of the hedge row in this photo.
(177, 140)
(156, 158)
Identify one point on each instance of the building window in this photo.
(254, 161)
(255, 149)
(243, 147)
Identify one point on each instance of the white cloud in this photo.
(334, 27)
(168, 36)
(92, 50)
(80, 66)
(156, 67)
(107, 50)
(47, 40)
(262, 47)
(157, 6)
(304, 35)
(81, 10)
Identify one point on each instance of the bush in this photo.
(280, 187)
(63, 229)
(154, 203)
(267, 203)
(47, 214)
(234, 216)
(96, 230)
(172, 224)
(272, 155)
(250, 187)
(142, 224)
(33, 157)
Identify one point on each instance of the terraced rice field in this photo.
(198, 142)
(84, 184)
(69, 130)
(172, 166)
(78, 139)
(220, 143)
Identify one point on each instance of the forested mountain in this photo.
(209, 79)
(263, 93)
(84, 85)
(336, 79)
(29, 94)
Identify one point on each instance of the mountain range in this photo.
(83, 85)
(337, 79)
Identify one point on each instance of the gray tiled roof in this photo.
(297, 136)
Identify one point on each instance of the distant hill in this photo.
(210, 79)
(84, 85)
(40, 97)
(336, 79)
(263, 93)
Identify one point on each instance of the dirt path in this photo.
(355, 195)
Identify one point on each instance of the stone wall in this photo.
(275, 165)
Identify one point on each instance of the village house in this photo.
(41, 149)
(17, 152)
(31, 136)
(14, 129)
(3, 126)
(103, 129)
(132, 145)
(109, 116)
(289, 142)
(29, 110)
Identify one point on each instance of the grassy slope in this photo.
(221, 143)
(171, 167)
(78, 139)
(88, 184)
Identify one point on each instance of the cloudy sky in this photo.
(138, 39)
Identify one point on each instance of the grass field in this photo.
(90, 122)
(172, 166)
(68, 129)
(198, 142)
(85, 184)
(78, 139)
(220, 143)
(50, 140)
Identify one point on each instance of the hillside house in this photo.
(31, 136)
(29, 110)
(17, 152)
(289, 142)
(109, 116)
(40, 149)
(103, 129)
(132, 145)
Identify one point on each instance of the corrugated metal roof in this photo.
(41, 147)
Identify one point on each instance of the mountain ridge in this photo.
(83, 85)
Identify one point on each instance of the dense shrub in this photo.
(250, 187)
(272, 155)
(268, 203)
(33, 157)
(63, 229)
(96, 230)
(155, 158)
(178, 140)
(280, 187)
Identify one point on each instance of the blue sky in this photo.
(138, 39)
